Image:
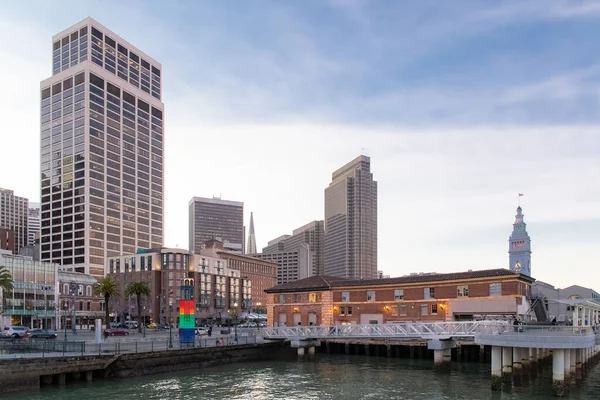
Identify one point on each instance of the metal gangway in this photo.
(423, 330)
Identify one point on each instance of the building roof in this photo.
(76, 277)
(321, 282)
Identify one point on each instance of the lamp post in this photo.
(144, 321)
(66, 307)
(170, 324)
(74, 288)
(235, 322)
(160, 321)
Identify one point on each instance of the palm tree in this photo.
(138, 289)
(6, 281)
(108, 288)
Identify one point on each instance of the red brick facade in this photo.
(326, 300)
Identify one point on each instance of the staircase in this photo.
(539, 308)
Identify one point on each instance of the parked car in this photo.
(201, 331)
(44, 334)
(116, 332)
(225, 331)
(131, 324)
(262, 324)
(17, 331)
(4, 336)
(248, 325)
(115, 324)
(152, 325)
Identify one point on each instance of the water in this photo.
(328, 377)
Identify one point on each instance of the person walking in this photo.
(209, 331)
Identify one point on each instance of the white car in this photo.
(17, 331)
(201, 331)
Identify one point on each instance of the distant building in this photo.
(291, 265)
(14, 211)
(251, 248)
(351, 222)
(559, 303)
(33, 301)
(216, 218)
(88, 306)
(33, 224)
(262, 273)
(462, 296)
(219, 289)
(31, 250)
(7, 240)
(381, 275)
(311, 234)
(519, 250)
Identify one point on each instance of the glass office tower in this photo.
(102, 177)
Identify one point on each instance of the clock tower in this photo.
(519, 246)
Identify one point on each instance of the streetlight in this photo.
(235, 326)
(144, 321)
(170, 324)
(74, 287)
(66, 307)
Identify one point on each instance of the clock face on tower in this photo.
(517, 266)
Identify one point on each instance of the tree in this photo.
(6, 281)
(138, 289)
(108, 288)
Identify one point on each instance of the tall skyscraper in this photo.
(33, 224)
(14, 212)
(216, 219)
(519, 246)
(251, 248)
(102, 147)
(291, 265)
(312, 234)
(351, 221)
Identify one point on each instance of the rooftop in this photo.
(323, 282)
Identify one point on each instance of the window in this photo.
(399, 294)
(403, 309)
(348, 310)
(297, 297)
(312, 297)
(434, 309)
(342, 310)
(346, 296)
(370, 295)
(495, 289)
(462, 291)
(88, 291)
(429, 293)
(424, 309)
(282, 299)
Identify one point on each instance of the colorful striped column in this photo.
(186, 321)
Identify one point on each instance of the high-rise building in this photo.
(351, 221)
(251, 248)
(33, 224)
(102, 147)
(519, 246)
(14, 212)
(291, 265)
(313, 235)
(216, 219)
(7, 240)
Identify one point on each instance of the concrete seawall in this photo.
(32, 373)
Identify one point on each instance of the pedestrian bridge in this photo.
(423, 330)
(486, 332)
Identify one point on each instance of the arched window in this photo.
(66, 288)
(88, 291)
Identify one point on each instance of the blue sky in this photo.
(461, 105)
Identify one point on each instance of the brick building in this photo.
(7, 240)
(88, 306)
(326, 300)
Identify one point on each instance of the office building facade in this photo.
(102, 175)
(33, 301)
(219, 291)
(7, 240)
(216, 219)
(14, 211)
(351, 222)
(33, 224)
(291, 265)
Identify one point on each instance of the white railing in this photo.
(537, 330)
(402, 330)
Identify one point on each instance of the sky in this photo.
(461, 106)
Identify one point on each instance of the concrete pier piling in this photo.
(507, 363)
(496, 368)
(558, 372)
